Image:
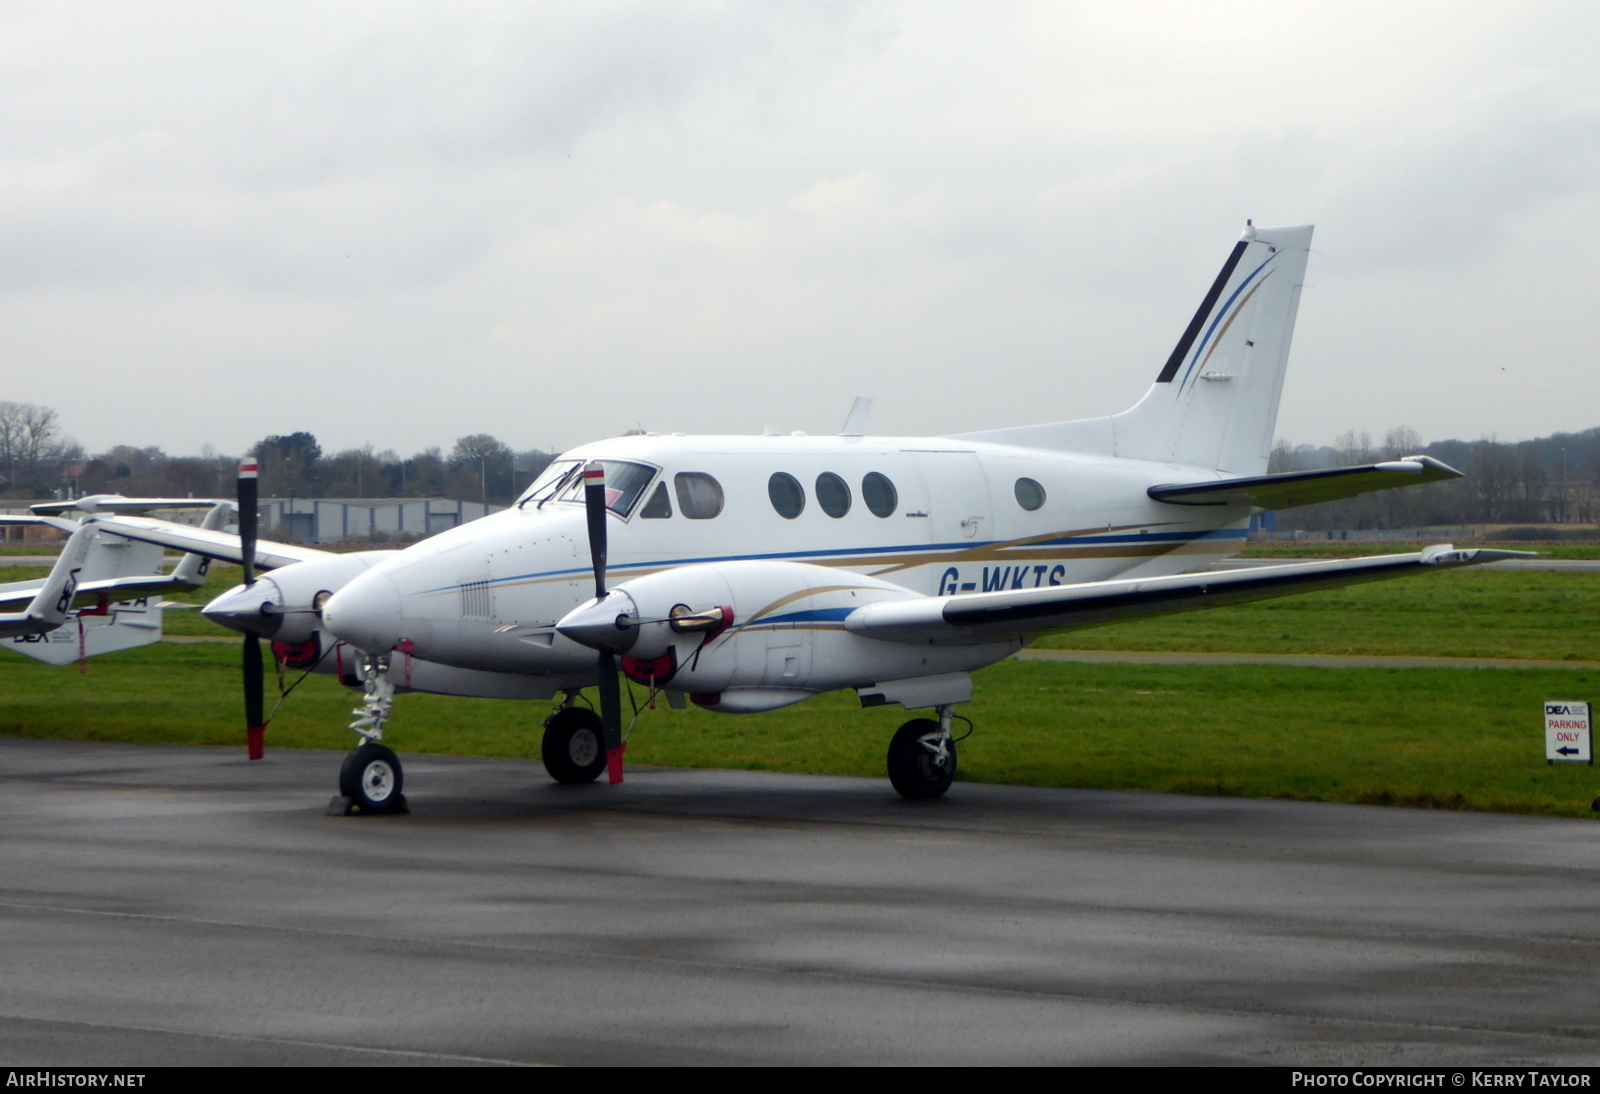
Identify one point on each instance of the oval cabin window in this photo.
(832, 494)
(788, 496)
(880, 495)
(1030, 495)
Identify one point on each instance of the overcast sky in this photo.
(399, 223)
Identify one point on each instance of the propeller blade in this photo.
(247, 518)
(254, 677)
(594, 504)
(254, 693)
(611, 715)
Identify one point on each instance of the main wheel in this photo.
(921, 760)
(371, 778)
(573, 748)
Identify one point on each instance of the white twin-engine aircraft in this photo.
(97, 597)
(747, 573)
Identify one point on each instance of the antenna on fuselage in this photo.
(855, 423)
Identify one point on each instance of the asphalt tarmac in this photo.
(180, 906)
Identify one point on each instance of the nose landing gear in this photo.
(370, 780)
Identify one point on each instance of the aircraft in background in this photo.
(744, 574)
(101, 584)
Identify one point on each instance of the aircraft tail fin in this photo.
(1214, 403)
(53, 601)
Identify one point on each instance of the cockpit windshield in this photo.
(551, 478)
(563, 481)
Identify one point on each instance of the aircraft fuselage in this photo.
(935, 516)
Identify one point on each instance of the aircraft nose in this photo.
(248, 609)
(366, 613)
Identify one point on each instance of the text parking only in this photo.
(1566, 732)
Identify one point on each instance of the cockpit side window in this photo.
(658, 507)
(699, 495)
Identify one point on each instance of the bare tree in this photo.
(25, 433)
(1400, 441)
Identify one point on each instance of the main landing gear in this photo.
(370, 780)
(922, 756)
(573, 748)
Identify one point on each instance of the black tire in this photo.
(574, 745)
(914, 770)
(372, 779)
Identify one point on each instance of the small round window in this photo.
(832, 494)
(788, 496)
(879, 494)
(1030, 495)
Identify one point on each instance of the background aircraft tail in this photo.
(1215, 402)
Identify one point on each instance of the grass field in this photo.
(1537, 615)
(1447, 738)
(1359, 550)
(1545, 615)
(1444, 738)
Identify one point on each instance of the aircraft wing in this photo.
(1024, 613)
(203, 541)
(1288, 489)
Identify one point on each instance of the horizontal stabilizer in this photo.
(1289, 489)
(1025, 613)
(116, 503)
(124, 627)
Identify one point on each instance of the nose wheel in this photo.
(922, 758)
(371, 779)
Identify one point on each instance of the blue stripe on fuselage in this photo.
(798, 556)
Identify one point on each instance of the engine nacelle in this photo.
(752, 635)
(286, 604)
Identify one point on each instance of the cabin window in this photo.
(699, 495)
(788, 496)
(879, 494)
(658, 507)
(1030, 495)
(833, 494)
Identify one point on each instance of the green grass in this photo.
(31, 548)
(1440, 738)
(1545, 615)
(1445, 738)
(1540, 615)
(1335, 549)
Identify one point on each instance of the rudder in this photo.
(1215, 402)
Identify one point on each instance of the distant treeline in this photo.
(36, 462)
(1549, 480)
(1554, 479)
